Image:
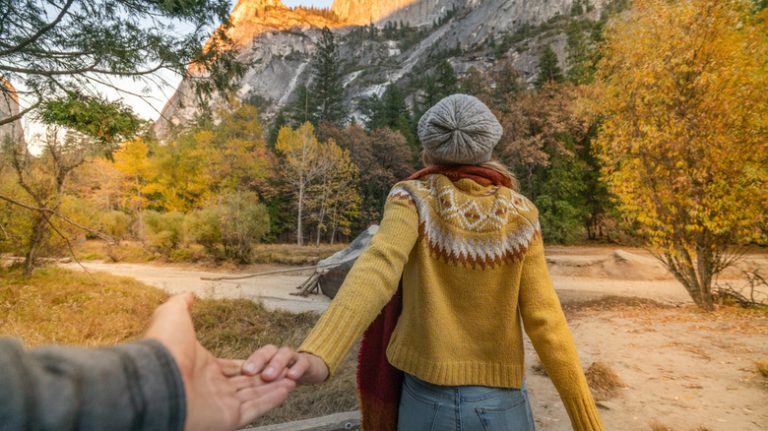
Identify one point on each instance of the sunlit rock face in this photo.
(9, 106)
(278, 43)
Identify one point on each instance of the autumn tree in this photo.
(681, 90)
(383, 158)
(238, 158)
(133, 162)
(333, 201)
(298, 150)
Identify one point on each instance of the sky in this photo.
(150, 105)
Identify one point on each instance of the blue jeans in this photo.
(428, 407)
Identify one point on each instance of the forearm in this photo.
(550, 335)
(134, 386)
(368, 287)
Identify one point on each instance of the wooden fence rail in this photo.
(335, 422)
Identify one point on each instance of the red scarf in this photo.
(378, 382)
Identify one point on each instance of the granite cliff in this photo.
(278, 42)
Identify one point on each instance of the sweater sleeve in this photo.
(368, 287)
(134, 386)
(548, 330)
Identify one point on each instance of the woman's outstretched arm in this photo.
(545, 324)
(368, 287)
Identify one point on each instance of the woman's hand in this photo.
(272, 363)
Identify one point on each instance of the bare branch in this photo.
(69, 244)
(18, 116)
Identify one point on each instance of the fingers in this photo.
(300, 367)
(270, 361)
(284, 358)
(259, 359)
(258, 400)
(230, 367)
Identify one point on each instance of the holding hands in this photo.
(218, 395)
(274, 364)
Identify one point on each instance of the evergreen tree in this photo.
(549, 68)
(327, 91)
(581, 67)
(442, 82)
(446, 80)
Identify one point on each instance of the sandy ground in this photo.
(273, 290)
(682, 369)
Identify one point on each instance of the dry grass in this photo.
(658, 426)
(136, 252)
(762, 368)
(69, 307)
(126, 251)
(603, 381)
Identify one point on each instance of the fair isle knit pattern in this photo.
(471, 261)
(443, 209)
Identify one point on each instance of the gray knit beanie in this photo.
(459, 129)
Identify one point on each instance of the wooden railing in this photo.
(335, 422)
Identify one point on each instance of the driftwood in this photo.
(334, 422)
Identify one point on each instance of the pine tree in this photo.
(446, 80)
(327, 90)
(580, 56)
(549, 68)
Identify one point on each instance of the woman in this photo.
(469, 251)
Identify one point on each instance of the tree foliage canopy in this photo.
(682, 93)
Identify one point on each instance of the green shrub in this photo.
(204, 227)
(116, 224)
(163, 231)
(244, 222)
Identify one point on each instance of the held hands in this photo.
(218, 396)
(273, 363)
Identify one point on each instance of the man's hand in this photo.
(273, 363)
(218, 396)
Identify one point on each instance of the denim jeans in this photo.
(428, 407)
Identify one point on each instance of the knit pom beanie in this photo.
(459, 130)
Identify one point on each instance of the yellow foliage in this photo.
(681, 91)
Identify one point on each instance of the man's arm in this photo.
(166, 382)
(128, 387)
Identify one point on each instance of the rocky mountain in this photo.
(9, 106)
(278, 42)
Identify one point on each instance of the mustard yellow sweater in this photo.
(472, 263)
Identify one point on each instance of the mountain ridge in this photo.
(278, 43)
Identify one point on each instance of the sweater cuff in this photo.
(333, 336)
(583, 412)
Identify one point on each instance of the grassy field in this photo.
(61, 306)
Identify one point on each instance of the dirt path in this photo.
(683, 370)
(274, 291)
(578, 273)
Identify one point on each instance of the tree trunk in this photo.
(299, 235)
(35, 240)
(685, 271)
